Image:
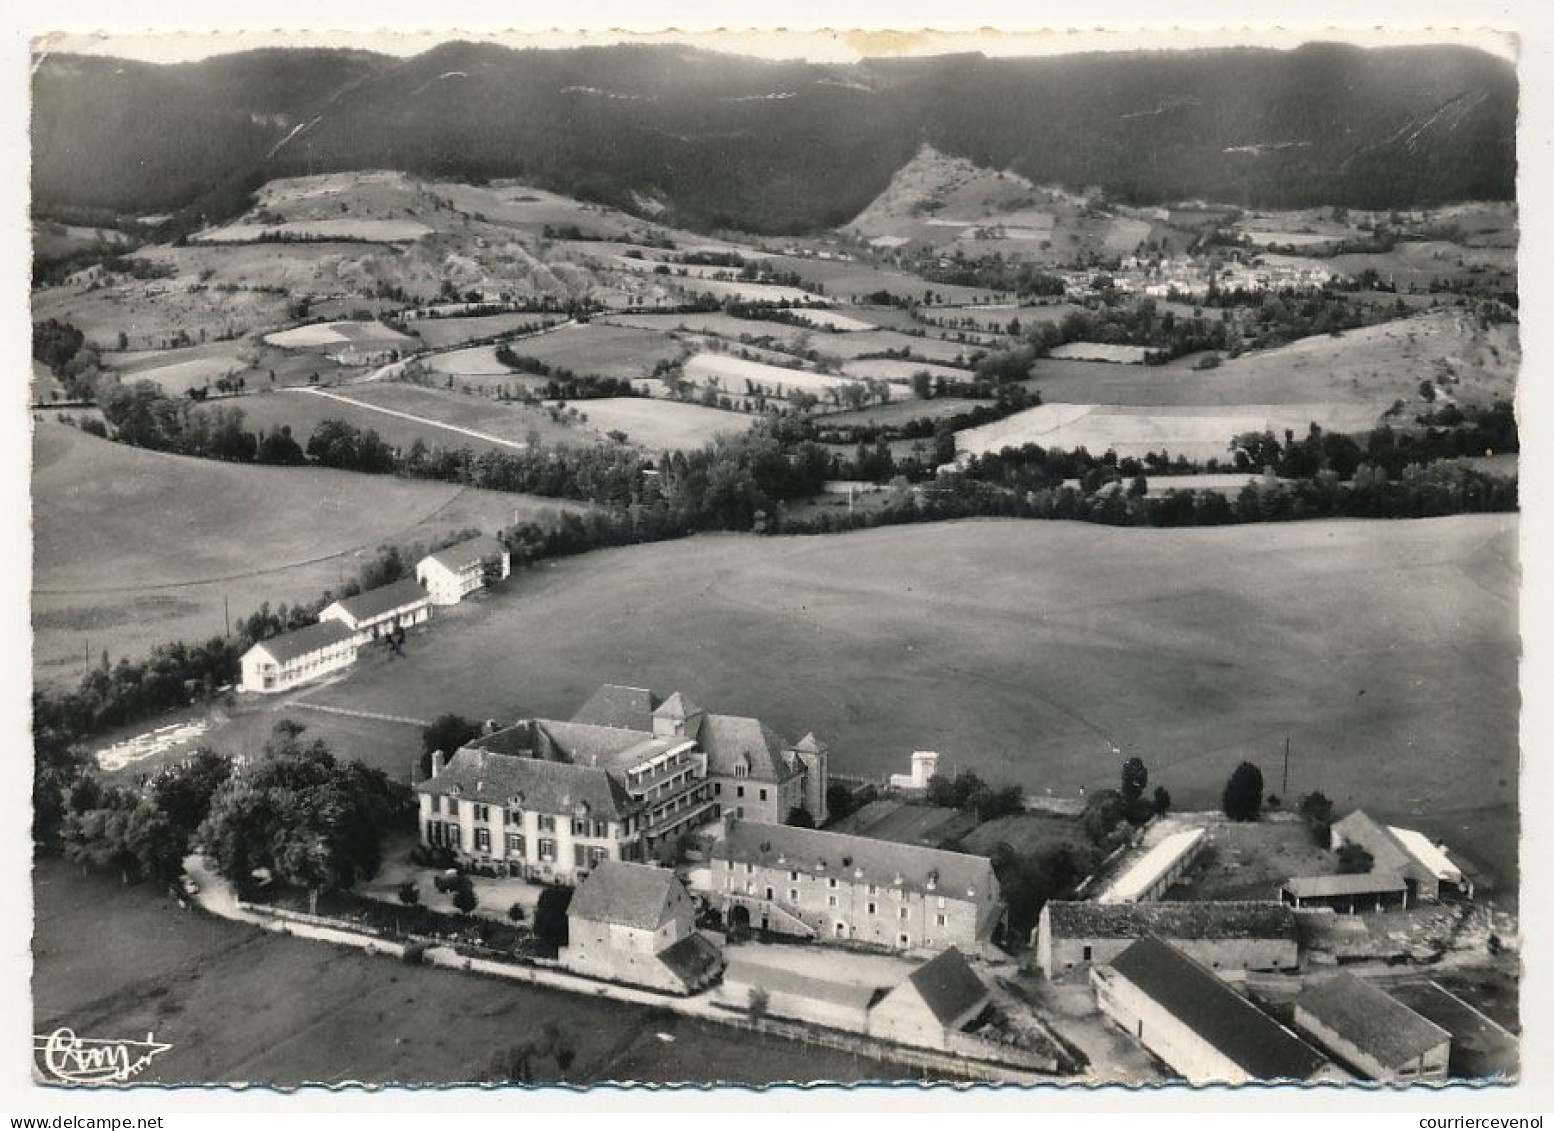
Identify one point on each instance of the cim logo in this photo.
(70, 1059)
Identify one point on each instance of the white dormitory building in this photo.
(453, 573)
(293, 658)
(380, 612)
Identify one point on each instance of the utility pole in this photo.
(1285, 789)
(226, 612)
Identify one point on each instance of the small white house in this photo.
(454, 573)
(381, 611)
(932, 1004)
(925, 764)
(293, 658)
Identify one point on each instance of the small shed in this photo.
(934, 1002)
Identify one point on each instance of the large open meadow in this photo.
(1385, 652)
(132, 547)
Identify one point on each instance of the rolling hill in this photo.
(711, 141)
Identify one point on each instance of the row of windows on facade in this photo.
(581, 826)
(871, 908)
(547, 850)
(795, 876)
(308, 661)
(739, 790)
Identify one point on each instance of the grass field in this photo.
(597, 349)
(439, 333)
(477, 361)
(1199, 433)
(506, 420)
(1386, 652)
(731, 374)
(663, 425)
(849, 346)
(899, 412)
(121, 960)
(133, 547)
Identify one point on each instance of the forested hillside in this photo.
(708, 140)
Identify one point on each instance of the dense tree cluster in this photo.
(314, 823)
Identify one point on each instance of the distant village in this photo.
(702, 861)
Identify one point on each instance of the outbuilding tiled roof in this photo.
(948, 985)
(857, 859)
(1222, 1018)
(1369, 1019)
(632, 895)
(1242, 919)
(530, 783)
(293, 645)
(1354, 883)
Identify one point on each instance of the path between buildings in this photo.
(216, 896)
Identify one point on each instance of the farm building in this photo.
(453, 573)
(1180, 1011)
(379, 612)
(932, 1003)
(852, 889)
(802, 997)
(1370, 1032)
(1150, 875)
(293, 658)
(1351, 894)
(1241, 935)
(1480, 1048)
(633, 923)
(1424, 866)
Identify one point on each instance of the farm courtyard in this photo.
(1025, 650)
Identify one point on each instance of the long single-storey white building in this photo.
(1209, 1034)
(381, 611)
(453, 573)
(293, 658)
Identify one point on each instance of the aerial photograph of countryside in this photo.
(651, 563)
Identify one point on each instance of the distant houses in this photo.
(1198, 1025)
(853, 889)
(453, 573)
(633, 923)
(1232, 935)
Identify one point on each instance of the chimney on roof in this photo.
(437, 762)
